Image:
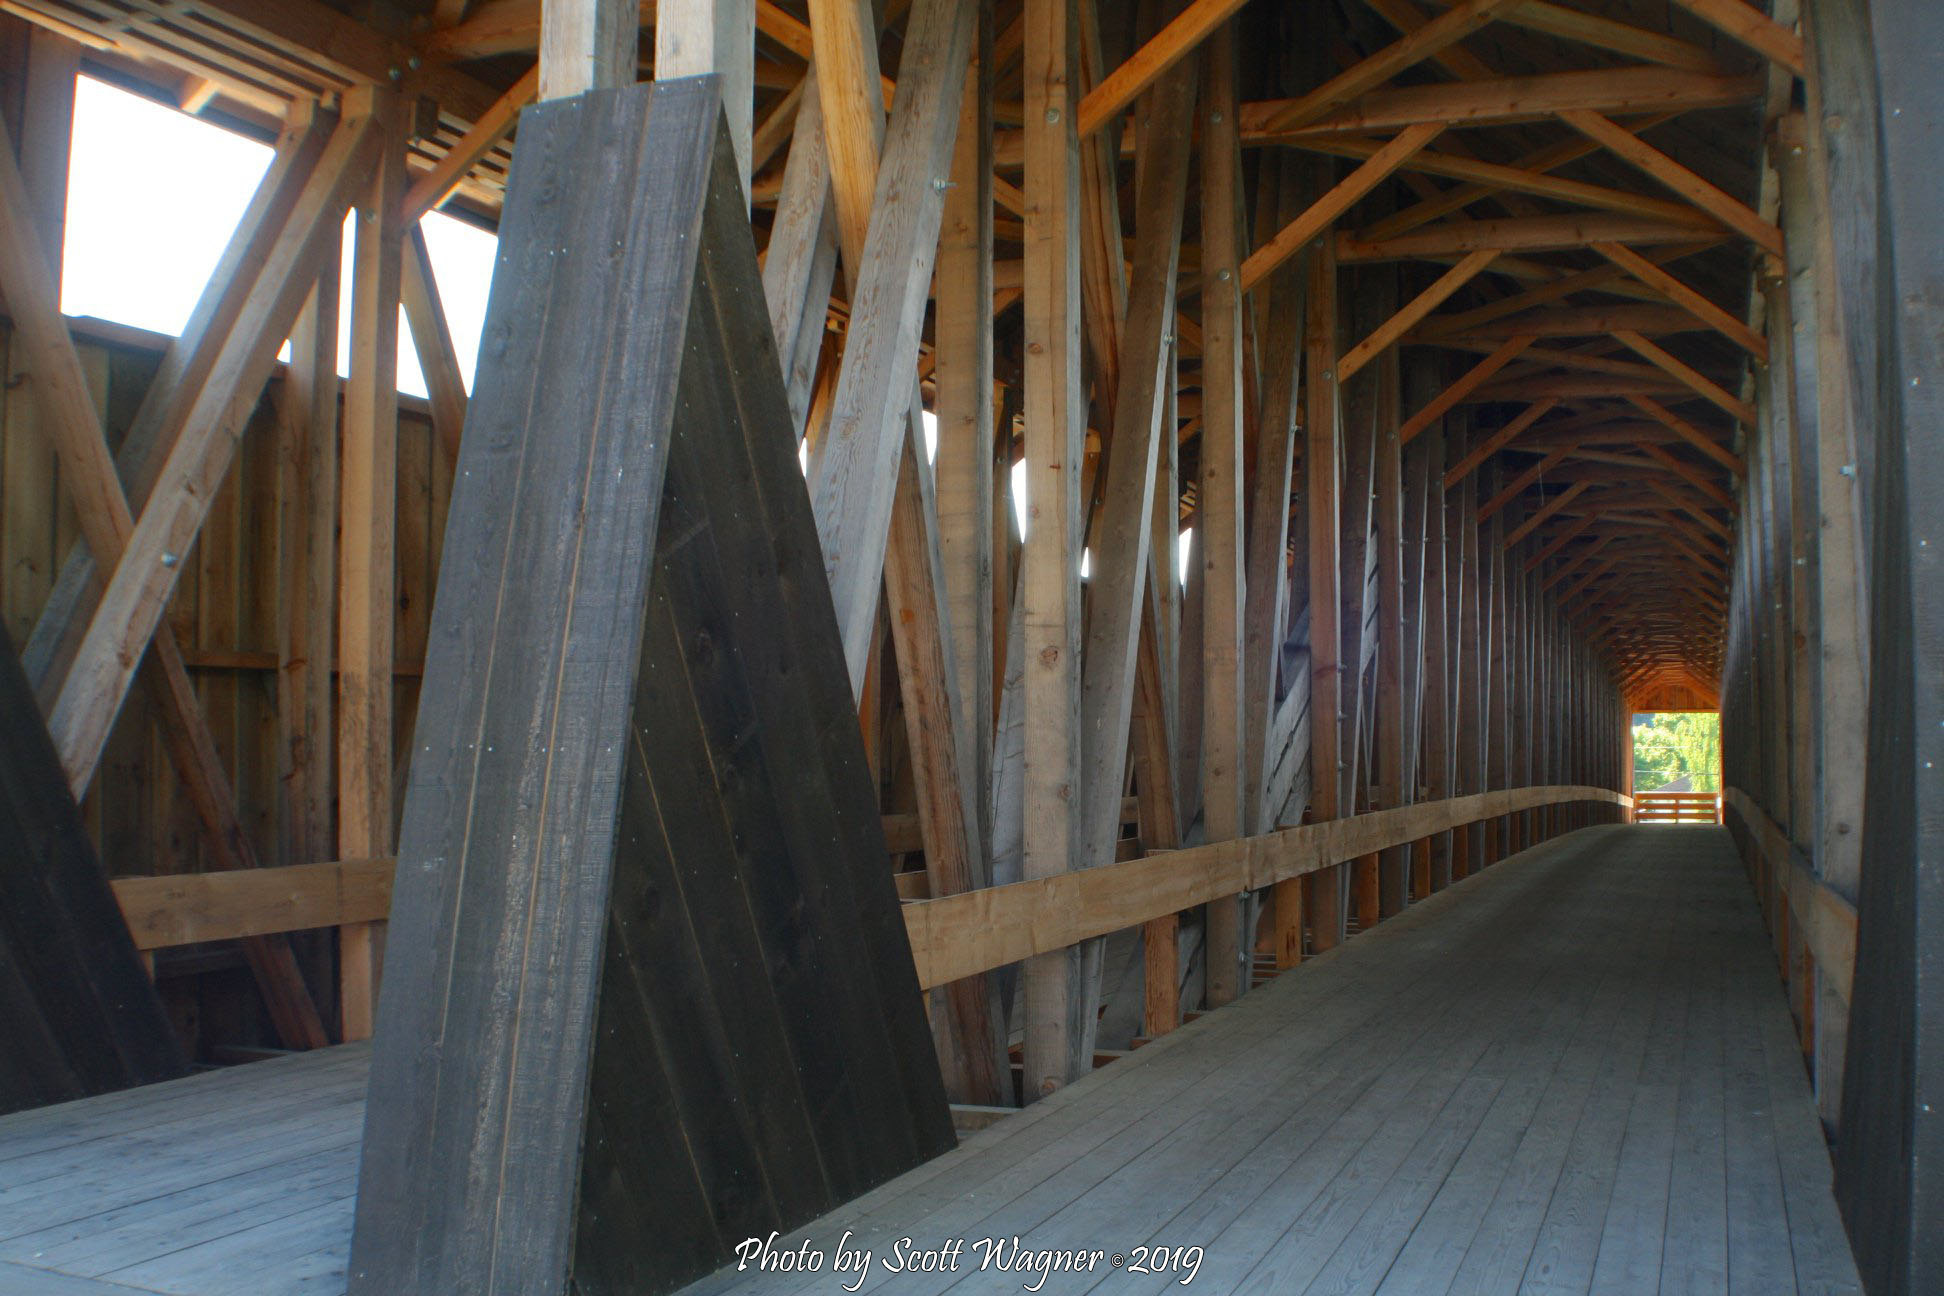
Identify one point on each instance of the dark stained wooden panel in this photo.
(1883, 67)
(648, 991)
(78, 1015)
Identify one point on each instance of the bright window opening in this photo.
(145, 180)
(1677, 751)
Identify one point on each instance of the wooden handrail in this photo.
(960, 935)
(951, 937)
(186, 908)
(1825, 919)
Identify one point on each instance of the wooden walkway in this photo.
(1572, 1073)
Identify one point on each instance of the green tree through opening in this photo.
(1670, 746)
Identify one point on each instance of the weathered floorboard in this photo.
(1506, 1088)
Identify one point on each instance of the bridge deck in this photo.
(1572, 1073)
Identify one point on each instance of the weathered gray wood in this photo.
(641, 906)
(1487, 1091)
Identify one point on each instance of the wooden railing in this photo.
(951, 937)
(1677, 807)
(1794, 898)
(976, 931)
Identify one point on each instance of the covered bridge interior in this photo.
(1015, 665)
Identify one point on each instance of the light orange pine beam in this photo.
(1124, 84)
(1546, 511)
(1448, 399)
(1625, 258)
(1296, 235)
(433, 187)
(1413, 311)
(1752, 28)
(1724, 207)
(1689, 377)
(1446, 29)
(1514, 488)
(1497, 441)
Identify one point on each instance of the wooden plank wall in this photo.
(1832, 723)
(225, 614)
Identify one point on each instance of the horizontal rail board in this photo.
(1826, 920)
(975, 931)
(187, 908)
(951, 937)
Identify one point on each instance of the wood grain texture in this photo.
(642, 914)
(76, 1006)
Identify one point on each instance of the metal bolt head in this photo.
(169, 560)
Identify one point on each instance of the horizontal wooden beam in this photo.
(1565, 321)
(1511, 178)
(1622, 91)
(1414, 47)
(1691, 378)
(1693, 435)
(189, 908)
(975, 931)
(1523, 234)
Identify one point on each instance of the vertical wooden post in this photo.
(1492, 703)
(1842, 668)
(963, 376)
(1161, 968)
(307, 574)
(587, 45)
(1055, 427)
(369, 514)
(1387, 485)
(1321, 466)
(697, 37)
(34, 524)
(1219, 501)
(1436, 729)
(1474, 655)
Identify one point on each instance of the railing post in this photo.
(1161, 952)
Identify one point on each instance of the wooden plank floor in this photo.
(1574, 1073)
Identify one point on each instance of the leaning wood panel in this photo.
(645, 959)
(77, 1013)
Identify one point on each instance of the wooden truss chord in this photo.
(1454, 395)
(1412, 313)
(1293, 237)
(1731, 212)
(1550, 233)
(1625, 91)
(1688, 376)
(1447, 29)
(1647, 272)
(185, 485)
